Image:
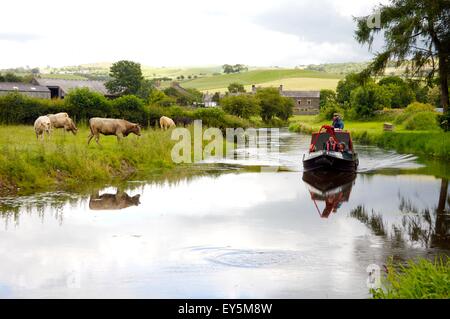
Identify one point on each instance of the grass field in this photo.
(212, 78)
(292, 84)
(298, 79)
(63, 76)
(429, 144)
(65, 161)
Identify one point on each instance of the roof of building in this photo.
(22, 87)
(67, 85)
(300, 94)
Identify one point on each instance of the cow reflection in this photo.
(119, 200)
(331, 188)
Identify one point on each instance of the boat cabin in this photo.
(319, 140)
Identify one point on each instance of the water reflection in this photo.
(223, 233)
(426, 227)
(113, 201)
(333, 188)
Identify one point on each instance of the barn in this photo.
(31, 90)
(60, 88)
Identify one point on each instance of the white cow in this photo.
(166, 122)
(42, 125)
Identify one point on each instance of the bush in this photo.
(422, 121)
(444, 121)
(412, 109)
(419, 279)
(387, 115)
(83, 104)
(215, 117)
(157, 97)
(131, 108)
(327, 111)
(16, 108)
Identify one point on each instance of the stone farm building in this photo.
(59, 87)
(306, 102)
(32, 90)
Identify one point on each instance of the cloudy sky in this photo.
(181, 33)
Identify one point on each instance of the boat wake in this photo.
(387, 161)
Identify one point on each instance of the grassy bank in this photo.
(430, 144)
(420, 279)
(65, 161)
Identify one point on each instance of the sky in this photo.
(283, 33)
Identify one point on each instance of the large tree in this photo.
(126, 78)
(416, 33)
(243, 106)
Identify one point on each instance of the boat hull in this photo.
(330, 161)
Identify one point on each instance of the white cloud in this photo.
(173, 32)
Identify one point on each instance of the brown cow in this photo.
(119, 128)
(166, 122)
(106, 201)
(62, 120)
(42, 125)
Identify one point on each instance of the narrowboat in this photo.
(324, 153)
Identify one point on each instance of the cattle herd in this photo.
(97, 125)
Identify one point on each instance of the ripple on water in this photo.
(247, 258)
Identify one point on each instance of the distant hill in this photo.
(290, 78)
(338, 68)
(211, 78)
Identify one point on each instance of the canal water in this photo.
(234, 231)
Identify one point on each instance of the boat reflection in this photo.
(108, 201)
(333, 188)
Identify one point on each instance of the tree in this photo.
(416, 33)
(227, 68)
(146, 89)
(326, 96)
(239, 68)
(345, 87)
(216, 97)
(286, 108)
(11, 77)
(236, 88)
(401, 93)
(243, 106)
(126, 78)
(392, 80)
(273, 104)
(367, 99)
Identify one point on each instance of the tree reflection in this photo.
(373, 221)
(428, 228)
(41, 204)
